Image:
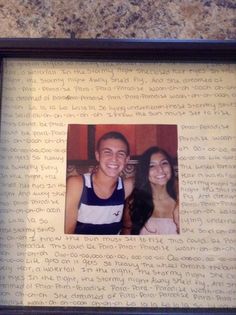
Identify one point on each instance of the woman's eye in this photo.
(165, 163)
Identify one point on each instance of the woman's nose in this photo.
(159, 169)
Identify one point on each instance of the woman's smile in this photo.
(159, 169)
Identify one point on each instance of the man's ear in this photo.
(127, 159)
(97, 156)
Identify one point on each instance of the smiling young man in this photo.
(95, 202)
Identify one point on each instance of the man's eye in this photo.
(106, 152)
(121, 154)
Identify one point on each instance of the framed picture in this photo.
(146, 129)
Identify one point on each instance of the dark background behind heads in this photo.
(82, 139)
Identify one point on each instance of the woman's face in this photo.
(159, 170)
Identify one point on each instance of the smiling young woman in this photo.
(153, 206)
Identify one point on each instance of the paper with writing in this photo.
(42, 266)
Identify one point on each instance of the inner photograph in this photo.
(122, 180)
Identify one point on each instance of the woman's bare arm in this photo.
(176, 217)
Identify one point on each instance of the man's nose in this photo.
(114, 157)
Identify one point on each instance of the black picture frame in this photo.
(112, 50)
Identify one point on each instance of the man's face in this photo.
(112, 157)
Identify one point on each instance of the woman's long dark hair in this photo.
(141, 203)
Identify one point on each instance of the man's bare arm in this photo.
(126, 220)
(129, 186)
(74, 188)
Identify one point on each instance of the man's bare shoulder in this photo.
(74, 182)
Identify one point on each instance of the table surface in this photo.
(182, 19)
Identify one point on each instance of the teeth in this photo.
(113, 166)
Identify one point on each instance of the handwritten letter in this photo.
(42, 266)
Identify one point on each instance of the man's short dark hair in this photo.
(114, 135)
